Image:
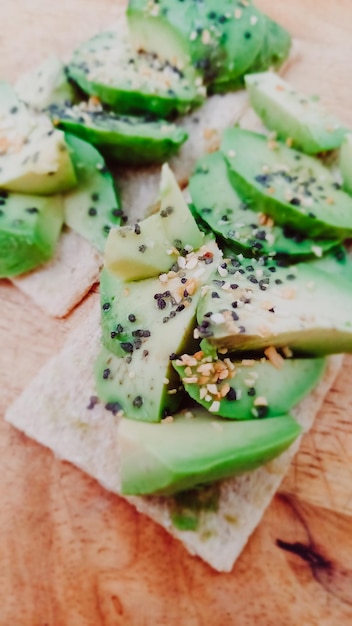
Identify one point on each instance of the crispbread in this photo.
(60, 284)
(54, 411)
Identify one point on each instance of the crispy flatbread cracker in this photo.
(59, 409)
(59, 285)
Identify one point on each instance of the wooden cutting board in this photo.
(72, 554)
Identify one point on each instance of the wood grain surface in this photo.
(72, 554)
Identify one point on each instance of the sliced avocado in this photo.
(248, 388)
(94, 206)
(46, 85)
(129, 139)
(293, 188)
(275, 47)
(338, 262)
(274, 50)
(219, 39)
(245, 230)
(145, 324)
(151, 246)
(251, 305)
(29, 230)
(106, 66)
(346, 163)
(34, 158)
(190, 451)
(293, 116)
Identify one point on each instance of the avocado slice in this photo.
(275, 47)
(243, 228)
(106, 66)
(346, 163)
(29, 230)
(128, 139)
(218, 39)
(249, 388)
(255, 304)
(93, 207)
(195, 450)
(151, 246)
(293, 188)
(46, 85)
(338, 262)
(292, 115)
(145, 324)
(34, 158)
(273, 52)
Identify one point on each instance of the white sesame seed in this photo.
(193, 35)
(217, 318)
(214, 408)
(317, 250)
(231, 153)
(206, 39)
(253, 20)
(222, 271)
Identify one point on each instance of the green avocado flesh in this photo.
(346, 163)
(218, 204)
(129, 139)
(249, 388)
(46, 85)
(151, 246)
(107, 67)
(275, 47)
(143, 324)
(29, 230)
(220, 40)
(34, 158)
(191, 451)
(293, 116)
(294, 189)
(93, 207)
(256, 304)
(338, 262)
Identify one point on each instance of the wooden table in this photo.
(72, 554)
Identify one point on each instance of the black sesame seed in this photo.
(295, 201)
(131, 317)
(173, 356)
(114, 407)
(215, 294)
(142, 248)
(231, 394)
(137, 229)
(251, 391)
(138, 401)
(32, 210)
(106, 373)
(119, 329)
(95, 197)
(161, 303)
(106, 306)
(93, 400)
(127, 346)
(262, 411)
(116, 212)
(92, 211)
